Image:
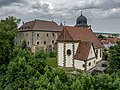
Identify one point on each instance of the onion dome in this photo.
(81, 21)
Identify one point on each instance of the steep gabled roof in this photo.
(83, 50)
(65, 35)
(80, 34)
(40, 25)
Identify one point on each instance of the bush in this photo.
(52, 54)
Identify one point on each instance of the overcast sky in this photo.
(103, 15)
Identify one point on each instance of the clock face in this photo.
(68, 52)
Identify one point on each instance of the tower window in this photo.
(68, 52)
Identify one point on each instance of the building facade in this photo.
(38, 34)
(78, 46)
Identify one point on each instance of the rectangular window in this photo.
(53, 34)
(28, 43)
(100, 52)
(52, 41)
(44, 42)
(37, 43)
(38, 35)
(47, 35)
(83, 65)
(97, 53)
(27, 34)
(89, 63)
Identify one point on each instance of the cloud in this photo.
(54, 9)
(9, 2)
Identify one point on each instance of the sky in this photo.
(102, 15)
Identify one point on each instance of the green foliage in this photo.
(52, 54)
(41, 54)
(21, 70)
(114, 57)
(24, 45)
(52, 62)
(8, 29)
(101, 36)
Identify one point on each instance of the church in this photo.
(78, 47)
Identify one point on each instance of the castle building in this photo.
(38, 34)
(78, 46)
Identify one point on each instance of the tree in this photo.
(101, 36)
(114, 57)
(24, 45)
(8, 29)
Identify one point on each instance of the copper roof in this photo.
(83, 50)
(79, 34)
(40, 25)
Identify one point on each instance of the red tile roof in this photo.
(83, 50)
(40, 25)
(79, 34)
(112, 40)
(105, 41)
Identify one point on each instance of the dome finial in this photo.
(81, 21)
(81, 12)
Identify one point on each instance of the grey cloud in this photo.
(9, 2)
(40, 6)
(102, 4)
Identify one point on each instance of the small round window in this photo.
(68, 52)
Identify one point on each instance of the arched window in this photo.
(68, 52)
(37, 43)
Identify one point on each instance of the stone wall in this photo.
(38, 39)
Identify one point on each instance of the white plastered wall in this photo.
(98, 56)
(60, 54)
(92, 65)
(69, 59)
(75, 47)
(79, 64)
(91, 53)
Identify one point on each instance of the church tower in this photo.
(81, 21)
